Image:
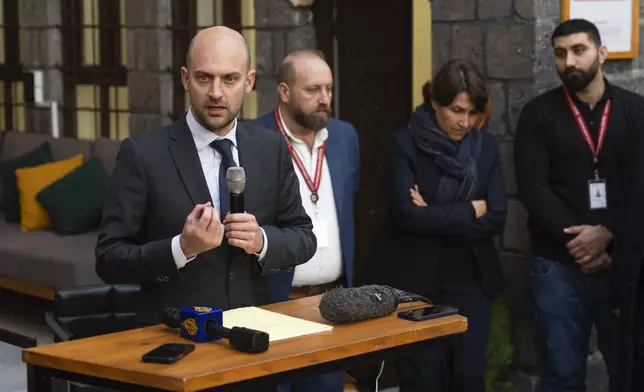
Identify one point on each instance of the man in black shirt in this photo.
(572, 159)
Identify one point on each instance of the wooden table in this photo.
(114, 360)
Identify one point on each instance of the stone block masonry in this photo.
(510, 41)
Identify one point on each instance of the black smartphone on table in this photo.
(427, 312)
(168, 353)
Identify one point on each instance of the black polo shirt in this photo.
(554, 163)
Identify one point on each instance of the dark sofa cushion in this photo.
(46, 258)
(38, 156)
(84, 311)
(16, 144)
(96, 299)
(106, 150)
(64, 148)
(75, 201)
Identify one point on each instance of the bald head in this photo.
(217, 35)
(305, 88)
(217, 76)
(291, 64)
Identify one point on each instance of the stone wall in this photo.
(499, 37)
(510, 41)
(149, 61)
(281, 29)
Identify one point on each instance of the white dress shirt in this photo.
(210, 164)
(326, 265)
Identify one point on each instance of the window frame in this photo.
(11, 70)
(109, 72)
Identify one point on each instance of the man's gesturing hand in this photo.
(202, 231)
(589, 243)
(243, 232)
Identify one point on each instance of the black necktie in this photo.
(225, 148)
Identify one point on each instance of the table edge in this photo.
(33, 357)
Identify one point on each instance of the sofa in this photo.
(85, 311)
(41, 261)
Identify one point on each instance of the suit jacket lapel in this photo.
(248, 159)
(334, 161)
(185, 156)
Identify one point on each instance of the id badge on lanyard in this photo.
(597, 193)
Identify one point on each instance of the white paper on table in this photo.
(277, 325)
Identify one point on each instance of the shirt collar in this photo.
(204, 137)
(320, 136)
(608, 91)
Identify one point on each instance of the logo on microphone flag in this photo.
(190, 326)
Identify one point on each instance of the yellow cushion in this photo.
(31, 180)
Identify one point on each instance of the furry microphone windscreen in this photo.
(346, 305)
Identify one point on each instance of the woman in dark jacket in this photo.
(446, 202)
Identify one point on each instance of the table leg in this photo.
(37, 379)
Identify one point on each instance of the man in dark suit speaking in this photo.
(166, 224)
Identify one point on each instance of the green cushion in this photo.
(75, 201)
(10, 195)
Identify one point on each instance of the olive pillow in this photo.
(75, 202)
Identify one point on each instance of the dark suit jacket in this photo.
(408, 252)
(157, 181)
(343, 159)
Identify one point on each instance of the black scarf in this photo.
(457, 160)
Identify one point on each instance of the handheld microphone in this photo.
(346, 305)
(236, 179)
(204, 324)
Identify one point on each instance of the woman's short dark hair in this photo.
(454, 77)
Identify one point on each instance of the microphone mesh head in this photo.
(347, 305)
(236, 178)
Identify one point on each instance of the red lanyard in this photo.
(313, 185)
(584, 128)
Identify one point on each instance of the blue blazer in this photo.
(343, 159)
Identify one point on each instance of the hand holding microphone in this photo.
(243, 232)
(241, 229)
(203, 230)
